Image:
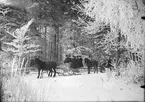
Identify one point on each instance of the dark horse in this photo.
(91, 63)
(48, 66)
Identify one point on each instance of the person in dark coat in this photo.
(80, 61)
(67, 59)
(74, 61)
(88, 64)
(77, 62)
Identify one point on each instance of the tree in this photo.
(126, 32)
(48, 13)
(121, 16)
(18, 45)
(55, 13)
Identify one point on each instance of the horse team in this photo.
(75, 62)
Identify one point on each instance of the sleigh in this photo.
(66, 70)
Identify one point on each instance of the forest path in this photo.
(87, 87)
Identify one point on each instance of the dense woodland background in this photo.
(100, 29)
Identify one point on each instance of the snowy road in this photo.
(93, 87)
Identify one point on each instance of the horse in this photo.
(79, 61)
(143, 86)
(91, 63)
(48, 66)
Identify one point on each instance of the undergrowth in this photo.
(16, 89)
(132, 73)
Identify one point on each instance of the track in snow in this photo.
(92, 87)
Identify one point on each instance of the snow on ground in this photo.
(87, 87)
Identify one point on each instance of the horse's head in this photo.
(34, 61)
(37, 60)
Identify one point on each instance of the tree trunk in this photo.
(1, 46)
(12, 70)
(118, 54)
(26, 64)
(45, 53)
(56, 41)
(22, 66)
(19, 65)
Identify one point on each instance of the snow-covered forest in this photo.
(100, 30)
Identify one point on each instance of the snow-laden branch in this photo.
(28, 46)
(12, 34)
(10, 50)
(12, 44)
(83, 48)
(22, 31)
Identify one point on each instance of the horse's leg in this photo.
(89, 69)
(97, 68)
(51, 72)
(41, 73)
(54, 72)
(94, 68)
(38, 73)
(48, 73)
